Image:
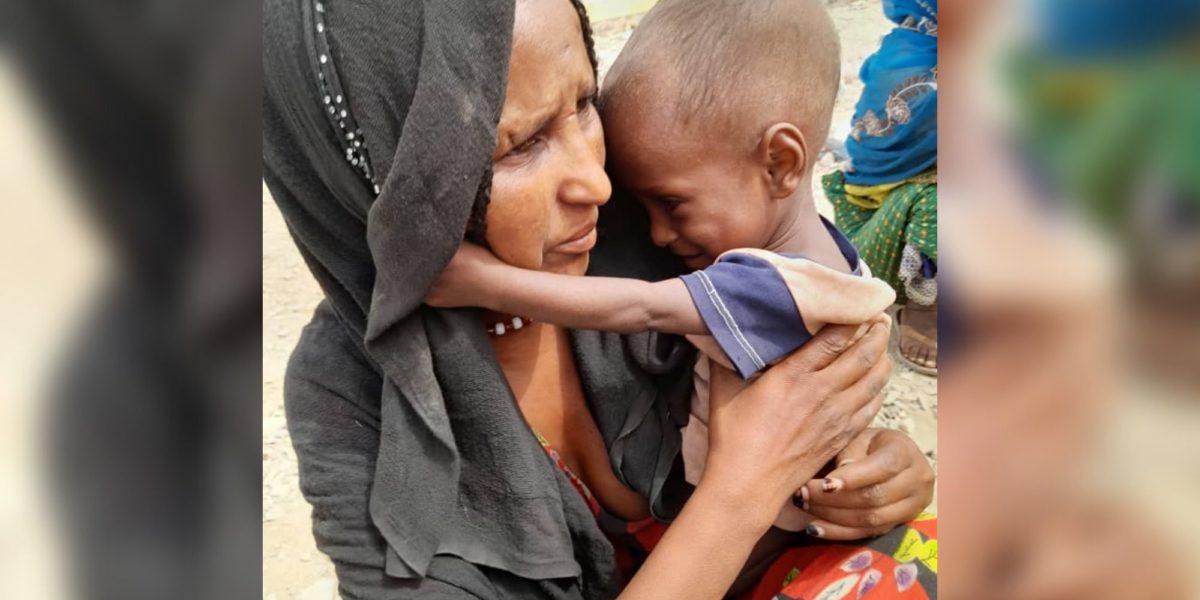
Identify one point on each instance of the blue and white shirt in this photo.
(759, 307)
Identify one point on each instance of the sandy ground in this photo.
(292, 567)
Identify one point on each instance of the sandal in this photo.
(917, 346)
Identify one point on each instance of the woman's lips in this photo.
(580, 245)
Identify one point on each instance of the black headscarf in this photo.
(458, 473)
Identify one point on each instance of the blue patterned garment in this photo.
(893, 133)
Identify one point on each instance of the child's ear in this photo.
(783, 153)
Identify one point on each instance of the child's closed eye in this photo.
(668, 203)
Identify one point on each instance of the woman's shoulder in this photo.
(328, 362)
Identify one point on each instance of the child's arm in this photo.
(475, 277)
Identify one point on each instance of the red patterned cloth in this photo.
(575, 480)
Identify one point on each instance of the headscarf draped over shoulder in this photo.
(379, 124)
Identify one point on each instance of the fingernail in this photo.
(830, 484)
(801, 500)
(813, 531)
(804, 493)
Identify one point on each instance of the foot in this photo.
(918, 336)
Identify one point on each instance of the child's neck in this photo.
(802, 232)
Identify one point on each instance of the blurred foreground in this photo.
(131, 299)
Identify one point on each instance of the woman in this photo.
(389, 128)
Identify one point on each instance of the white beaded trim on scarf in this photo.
(501, 329)
(349, 135)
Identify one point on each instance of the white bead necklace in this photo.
(501, 328)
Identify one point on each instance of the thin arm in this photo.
(600, 303)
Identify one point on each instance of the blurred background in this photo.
(132, 304)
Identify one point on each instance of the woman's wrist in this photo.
(705, 547)
(744, 507)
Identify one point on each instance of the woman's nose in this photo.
(585, 181)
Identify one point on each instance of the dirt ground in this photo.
(292, 567)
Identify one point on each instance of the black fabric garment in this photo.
(334, 419)
(404, 403)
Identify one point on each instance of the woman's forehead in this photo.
(547, 36)
(538, 21)
(549, 63)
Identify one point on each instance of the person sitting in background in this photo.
(885, 198)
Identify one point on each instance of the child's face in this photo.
(704, 197)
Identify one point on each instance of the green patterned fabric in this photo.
(907, 216)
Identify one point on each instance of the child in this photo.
(714, 112)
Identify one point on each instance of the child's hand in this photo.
(465, 281)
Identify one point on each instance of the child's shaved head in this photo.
(731, 66)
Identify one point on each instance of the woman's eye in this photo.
(524, 147)
(669, 204)
(584, 105)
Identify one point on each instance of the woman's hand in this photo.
(764, 443)
(770, 439)
(882, 480)
(465, 281)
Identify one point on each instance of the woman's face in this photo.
(548, 169)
